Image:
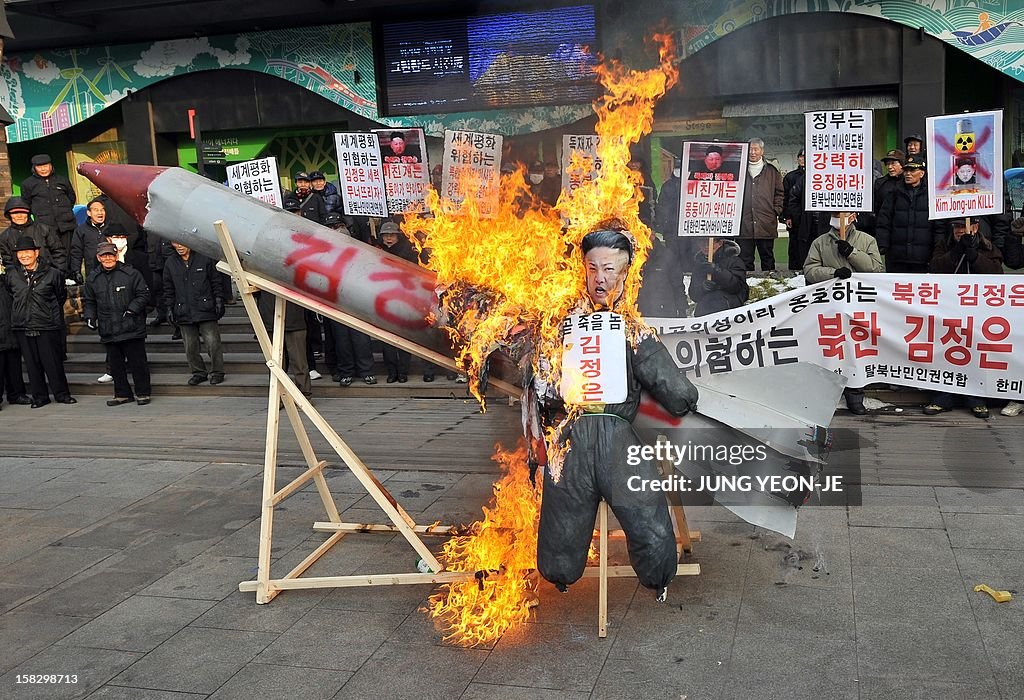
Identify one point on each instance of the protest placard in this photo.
(839, 164)
(470, 168)
(711, 198)
(593, 359)
(361, 174)
(583, 146)
(406, 171)
(965, 164)
(947, 333)
(256, 178)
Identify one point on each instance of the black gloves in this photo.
(843, 273)
(844, 248)
(705, 268)
(967, 246)
(218, 307)
(699, 259)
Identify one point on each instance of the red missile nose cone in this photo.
(128, 185)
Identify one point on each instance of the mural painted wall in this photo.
(51, 90)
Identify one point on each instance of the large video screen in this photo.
(514, 59)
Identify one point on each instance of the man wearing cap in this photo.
(37, 318)
(51, 197)
(882, 187)
(195, 299)
(311, 204)
(393, 241)
(904, 233)
(914, 146)
(11, 381)
(327, 190)
(45, 237)
(114, 300)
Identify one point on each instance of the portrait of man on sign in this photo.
(716, 165)
(399, 147)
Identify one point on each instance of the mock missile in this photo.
(374, 286)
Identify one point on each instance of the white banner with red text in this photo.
(962, 334)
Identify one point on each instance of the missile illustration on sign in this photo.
(399, 297)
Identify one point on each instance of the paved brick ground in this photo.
(124, 570)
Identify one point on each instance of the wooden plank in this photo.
(625, 570)
(295, 584)
(602, 588)
(297, 483)
(441, 530)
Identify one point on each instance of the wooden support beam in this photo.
(295, 584)
(435, 529)
(297, 483)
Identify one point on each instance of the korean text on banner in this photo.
(470, 169)
(941, 332)
(965, 164)
(258, 179)
(406, 171)
(593, 359)
(585, 147)
(711, 201)
(361, 174)
(839, 161)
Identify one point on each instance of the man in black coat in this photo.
(19, 214)
(720, 283)
(195, 300)
(51, 197)
(904, 233)
(114, 300)
(11, 380)
(86, 238)
(311, 204)
(37, 318)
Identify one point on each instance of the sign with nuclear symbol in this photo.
(965, 165)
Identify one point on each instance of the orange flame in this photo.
(502, 549)
(520, 272)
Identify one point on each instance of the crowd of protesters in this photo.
(121, 273)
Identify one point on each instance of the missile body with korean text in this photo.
(376, 287)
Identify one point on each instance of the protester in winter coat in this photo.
(18, 213)
(393, 241)
(762, 206)
(662, 294)
(837, 257)
(963, 252)
(114, 302)
(905, 235)
(791, 215)
(37, 318)
(720, 283)
(311, 204)
(86, 237)
(11, 381)
(195, 299)
(294, 338)
(327, 190)
(51, 197)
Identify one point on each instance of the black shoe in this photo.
(428, 377)
(41, 403)
(21, 401)
(216, 378)
(68, 400)
(392, 378)
(369, 379)
(118, 401)
(335, 376)
(196, 380)
(158, 321)
(143, 400)
(345, 381)
(856, 407)
(403, 378)
(176, 335)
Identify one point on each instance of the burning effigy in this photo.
(506, 284)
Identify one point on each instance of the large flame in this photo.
(513, 277)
